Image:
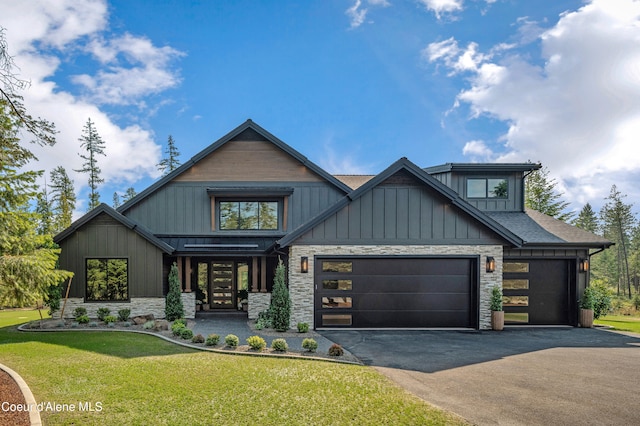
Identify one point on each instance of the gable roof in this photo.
(537, 228)
(247, 126)
(123, 220)
(404, 164)
(483, 167)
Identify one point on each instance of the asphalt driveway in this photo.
(559, 376)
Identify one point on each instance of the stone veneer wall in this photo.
(301, 286)
(258, 302)
(138, 306)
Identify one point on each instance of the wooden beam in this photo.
(179, 261)
(254, 275)
(263, 274)
(187, 277)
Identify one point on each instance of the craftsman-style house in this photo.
(409, 247)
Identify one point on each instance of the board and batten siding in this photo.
(104, 237)
(400, 215)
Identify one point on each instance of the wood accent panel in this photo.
(213, 213)
(285, 213)
(263, 274)
(246, 161)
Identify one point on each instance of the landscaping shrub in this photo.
(335, 350)
(110, 319)
(83, 319)
(79, 311)
(280, 300)
(123, 314)
(53, 296)
(198, 338)
(177, 327)
(256, 343)
(310, 345)
(265, 319)
(186, 334)
(212, 340)
(173, 306)
(279, 345)
(93, 324)
(303, 327)
(231, 340)
(601, 300)
(496, 299)
(587, 300)
(149, 325)
(102, 313)
(181, 321)
(111, 324)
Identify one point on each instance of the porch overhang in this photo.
(216, 246)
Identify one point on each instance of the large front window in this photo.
(249, 215)
(107, 280)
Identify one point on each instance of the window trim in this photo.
(486, 187)
(86, 279)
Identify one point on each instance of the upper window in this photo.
(107, 280)
(249, 215)
(487, 188)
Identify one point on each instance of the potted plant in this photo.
(586, 308)
(497, 314)
(243, 300)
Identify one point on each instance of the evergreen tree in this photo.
(63, 198)
(44, 213)
(173, 304)
(94, 146)
(171, 162)
(541, 195)
(129, 195)
(618, 222)
(280, 301)
(587, 219)
(116, 200)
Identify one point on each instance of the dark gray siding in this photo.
(105, 237)
(514, 202)
(541, 253)
(406, 214)
(185, 208)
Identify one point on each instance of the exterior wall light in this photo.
(584, 265)
(304, 264)
(491, 264)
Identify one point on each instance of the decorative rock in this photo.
(161, 325)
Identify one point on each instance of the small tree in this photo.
(94, 145)
(171, 162)
(174, 308)
(280, 300)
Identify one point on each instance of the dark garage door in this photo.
(396, 292)
(538, 291)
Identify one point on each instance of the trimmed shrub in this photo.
(231, 340)
(181, 321)
(256, 343)
(336, 350)
(212, 340)
(496, 299)
(198, 338)
(303, 327)
(79, 311)
(110, 319)
(280, 301)
(111, 324)
(173, 305)
(310, 345)
(93, 324)
(586, 302)
(177, 327)
(102, 313)
(83, 319)
(265, 319)
(126, 324)
(279, 345)
(186, 334)
(123, 314)
(149, 325)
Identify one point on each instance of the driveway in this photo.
(559, 376)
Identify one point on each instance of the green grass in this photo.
(141, 379)
(620, 322)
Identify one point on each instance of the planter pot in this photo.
(245, 307)
(205, 306)
(586, 318)
(497, 320)
(198, 307)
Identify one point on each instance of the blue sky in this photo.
(352, 84)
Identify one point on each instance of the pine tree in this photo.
(541, 195)
(94, 146)
(116, 200)
(129, 195)
(280, 301)
(171, 162)
(44, 213)
(63, 198)
(173, 304)
(587, 219)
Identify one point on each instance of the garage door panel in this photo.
(396, 292)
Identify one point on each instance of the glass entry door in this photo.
(222, 285)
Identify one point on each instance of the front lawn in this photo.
(620, 322)
(138, 379)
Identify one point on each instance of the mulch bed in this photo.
(10, 394)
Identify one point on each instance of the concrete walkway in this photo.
(524, 376)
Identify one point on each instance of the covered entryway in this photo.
(539, 291)
(400, 292)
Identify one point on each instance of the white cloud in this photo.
(357, 14)
(41, 36)
(578, 112)
(478, 151)
(440, 7)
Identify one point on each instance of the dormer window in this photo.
(487, 188)
(249, 215)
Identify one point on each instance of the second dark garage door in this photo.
(406, 292)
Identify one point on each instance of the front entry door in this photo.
(222, 284)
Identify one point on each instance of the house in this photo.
(409, 247)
